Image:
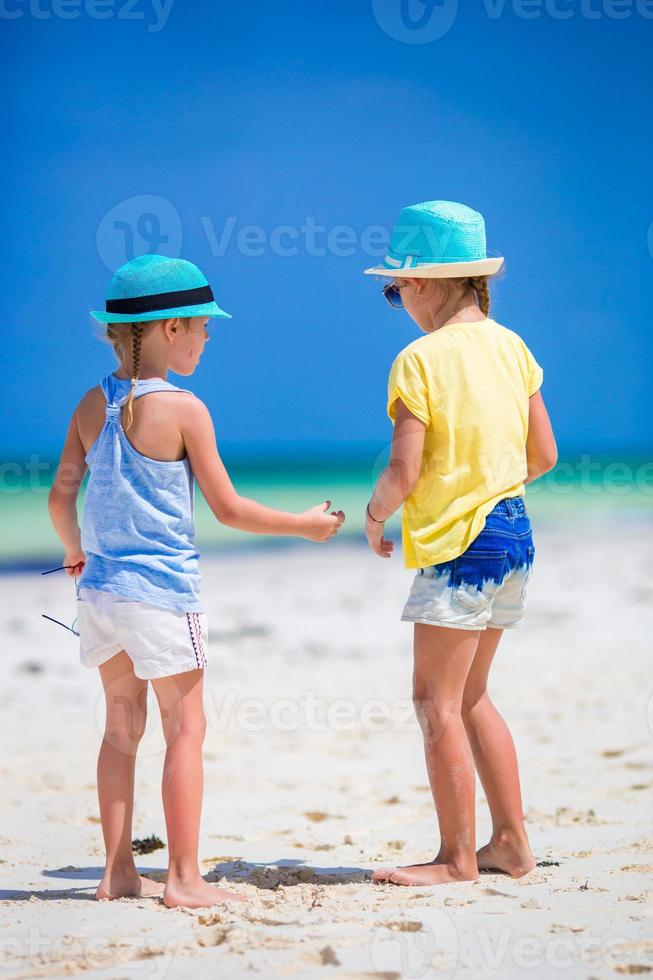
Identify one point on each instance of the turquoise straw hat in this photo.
(154, 287)
(438, 240)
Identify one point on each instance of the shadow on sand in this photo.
(285, 872)
(82, 893)
(271, 875)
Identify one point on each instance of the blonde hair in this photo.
(479, 286)
(119, 336)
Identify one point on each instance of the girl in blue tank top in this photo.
(145, 441)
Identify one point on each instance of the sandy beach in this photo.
(315, 777)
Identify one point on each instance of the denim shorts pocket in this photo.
(477, 576)
(530, 555)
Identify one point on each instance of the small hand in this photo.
(75, 560)
(320, 526)
(374, 532)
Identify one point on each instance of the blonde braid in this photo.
(480, 286)
(137, 336)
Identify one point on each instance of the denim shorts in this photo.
(486, 584)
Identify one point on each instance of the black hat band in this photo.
(161, 301)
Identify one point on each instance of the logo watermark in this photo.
(415, 21)
(416, 947)
(146, 223)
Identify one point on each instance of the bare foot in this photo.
(384, 874)
(434, 873)
(198, 895)
(511, 855)
(127, 886)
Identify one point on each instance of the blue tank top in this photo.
(138, 529)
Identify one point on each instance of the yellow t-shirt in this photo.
(470, 384)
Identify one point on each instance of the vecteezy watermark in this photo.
(150, 223)
(566, 9)
(147, 957)
(584, 474)
(308, 238)
(140, 724)
(142, 224)
(418, 945)
(501, 950)
(154, 13)
(649, 239)
(425, 21)
(415, 21)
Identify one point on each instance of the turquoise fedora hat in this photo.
(438, 240)
(155, 287)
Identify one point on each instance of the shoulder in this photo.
(192, 410)
(508, 335)
(91, 403)
(530, 369)
(197, 429)
(92, 396)
(418, 350)
(179, 409)
(511, 341)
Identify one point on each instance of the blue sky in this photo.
(266, 141)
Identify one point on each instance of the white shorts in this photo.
(160, 642)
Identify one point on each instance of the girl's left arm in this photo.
(398, 479)
(62, 499)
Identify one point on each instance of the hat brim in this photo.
(441, 270)
(204, 309)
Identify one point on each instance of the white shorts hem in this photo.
(98, 660)
(170, 670)
(505, 626)
(440, 622)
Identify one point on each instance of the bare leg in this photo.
(442, 658)
(184, 726)
(126, 712)
(496, 763)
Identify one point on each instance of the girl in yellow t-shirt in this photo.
(470, 430)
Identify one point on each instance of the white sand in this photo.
(315, 776)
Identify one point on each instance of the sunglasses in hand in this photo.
(51, 618)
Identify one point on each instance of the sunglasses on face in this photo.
(392, 293)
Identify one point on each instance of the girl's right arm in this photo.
(229, 507)
(541, 449)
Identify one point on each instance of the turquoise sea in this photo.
(581, 489)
